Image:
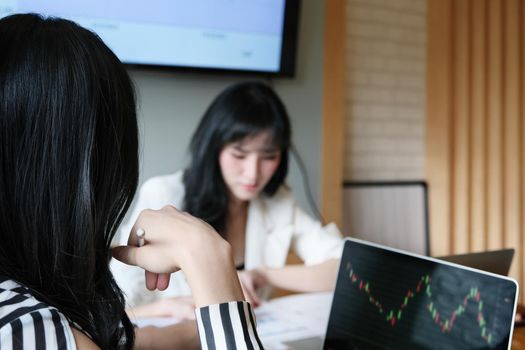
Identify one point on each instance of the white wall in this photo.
(171, 104)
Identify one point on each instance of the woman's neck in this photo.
(236, 206)
(236, 228)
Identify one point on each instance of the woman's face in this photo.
(247, 165)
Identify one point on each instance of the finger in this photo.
(140, 222)
(163, 281)
(252, 293)
(151, 280)
(255, 299)
(133, 239)
(126, 254)
(248, 293)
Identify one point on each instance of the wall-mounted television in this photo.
(255, 36)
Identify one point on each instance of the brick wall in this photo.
(385, 121)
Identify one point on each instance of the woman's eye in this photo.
(238, 155)
(272, 157)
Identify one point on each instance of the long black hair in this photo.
(68, 169)
(241, 110)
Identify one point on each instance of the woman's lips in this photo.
(249, 188)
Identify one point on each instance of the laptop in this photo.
(495, 261)
(390, 299)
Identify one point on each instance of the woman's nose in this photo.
(251, 168)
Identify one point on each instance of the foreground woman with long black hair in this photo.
(68, 173)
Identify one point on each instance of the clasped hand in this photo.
(174, 241)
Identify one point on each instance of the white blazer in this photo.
(274, 226)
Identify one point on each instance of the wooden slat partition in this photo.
(333, 111)
(478, 183)
(461, 132)
(520, 261)
(495, 118)
(475, 161)
(438, 159)
(511, 154)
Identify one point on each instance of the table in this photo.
(303, 315)
(285, 314)
(518, 338)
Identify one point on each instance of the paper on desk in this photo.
(155, 321)
(293, 317)
(278, 320)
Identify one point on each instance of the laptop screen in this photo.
(388, 299)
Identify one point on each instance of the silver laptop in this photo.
(390, 299)
(495, 261)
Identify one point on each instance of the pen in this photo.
(141, 233)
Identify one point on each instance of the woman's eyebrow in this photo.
(264, 149)
(269, 150)
(238, 147)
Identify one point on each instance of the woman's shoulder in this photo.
(170, 185)
(164, 182)
(282, 197)
(26, 320)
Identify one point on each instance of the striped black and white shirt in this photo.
(27, 323)
(228, 326)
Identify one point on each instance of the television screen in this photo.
(232, 35)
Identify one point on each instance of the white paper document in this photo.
(280, 320)
(293, 317)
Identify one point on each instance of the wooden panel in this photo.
(495, 156)
(521, 257)
(333, 111)
(438, 123)
(511, 131)
(478, 124)
(480, 170)
(461, 129)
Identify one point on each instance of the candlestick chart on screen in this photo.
(423, 286)
(388, 300)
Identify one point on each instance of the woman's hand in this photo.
(251, 281)
(178, 241)
(170, 239)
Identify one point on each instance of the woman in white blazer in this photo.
(235, 182)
